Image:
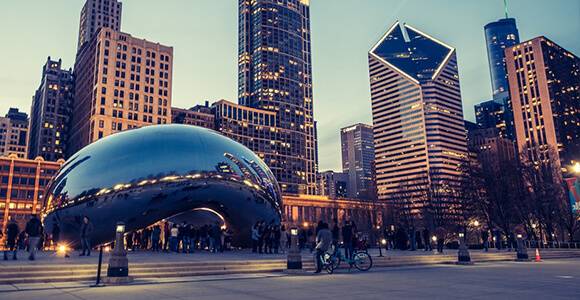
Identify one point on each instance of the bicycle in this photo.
(361, 260)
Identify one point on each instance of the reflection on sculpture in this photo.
(145, 175)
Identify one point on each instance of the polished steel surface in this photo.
(148, 174)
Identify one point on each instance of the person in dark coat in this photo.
(86, 232)
(55, 234)
(33, 231)
(427, 239)
(485, 238)
(347, 238)
(155, 237)
(12, 231)
(335, 232)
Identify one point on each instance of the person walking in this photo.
(347, 238)
(155, 237)
(323, 242)
(255, 237)
(427, 239)
(174, 238)
(283, 239)
(166, 236)
(55, 234)
(33, 231)
(192, 238)
(335, 232)
(485, 238)
(86, 232)
(277, 236)
(12, 231)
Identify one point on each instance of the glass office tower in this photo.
(499, 35)
(275, 74)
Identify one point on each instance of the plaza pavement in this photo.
(551, 279)
(50, 268)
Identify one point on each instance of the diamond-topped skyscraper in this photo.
(275, 74)
(419, 132)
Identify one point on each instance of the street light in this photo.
(294, 258)
(463, 257)
(118, 270)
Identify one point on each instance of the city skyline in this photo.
(198, 78)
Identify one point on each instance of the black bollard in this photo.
(98, 283)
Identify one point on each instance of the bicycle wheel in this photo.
(362, 261)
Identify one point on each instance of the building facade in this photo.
(419, 132)
(121, 82)
(50, 112)
(199, 115)
(333, 185)
(253, 128)
(14, 133)
(544, 83)
(96, 14)
(490, 114)
(22, 185)
(275, 74)
(358, 154)
(492, 150)
(305, 211)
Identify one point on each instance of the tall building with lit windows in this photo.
(22, 185)
(500, 35)
(490, 114)
(96, 14)
(358, 155)
(14, 133)
(50, 112)
(275, 74)
(419, 132)
(121, 82)
(544, 83)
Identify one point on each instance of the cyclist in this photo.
(323, 242)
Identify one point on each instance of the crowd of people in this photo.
(180, 238)
(162, 236)
(30, 239)
(269, 238)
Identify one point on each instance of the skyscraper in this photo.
(545, 93)
(358, 154)
(96, 14)
(121, 82)
(50, 112)
(419, 132)
(499, 35)
(275, 74)
(14, 133)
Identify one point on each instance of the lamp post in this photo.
(294, 260)
(522, 252)
(380, 241)
(118, 270)
(383, 244)
(463, 257)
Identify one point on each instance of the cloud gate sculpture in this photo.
(145, 175)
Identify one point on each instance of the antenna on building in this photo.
(505, 7)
